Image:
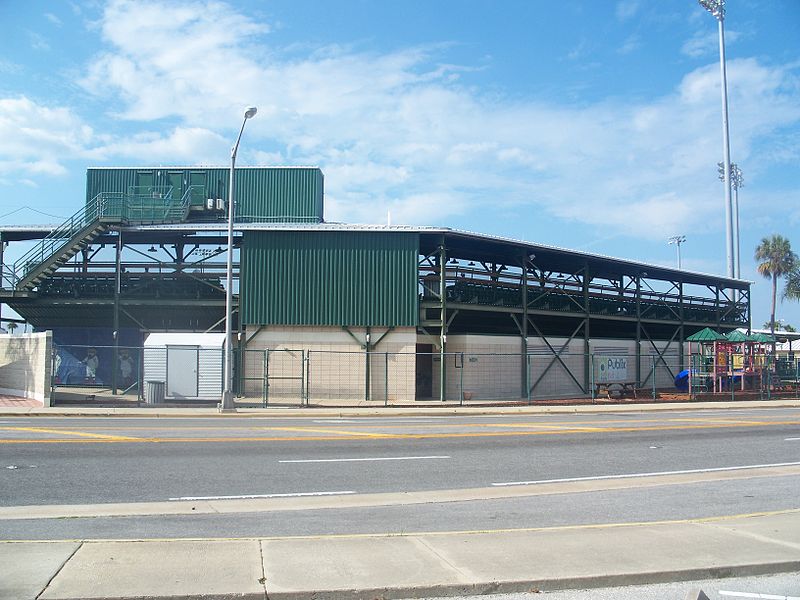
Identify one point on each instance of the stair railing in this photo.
(141, 204)
(59, 237)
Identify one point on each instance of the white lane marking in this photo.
(762, 596)
(330, 460)
(792, 440)
(634, 475)
(334, 421)
(249, 496)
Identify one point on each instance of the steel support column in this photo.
(443, 329)
(638, 330)
(524, 330)
(367, 374)
(682, 334)
(586, 329)
(2, 274)
(117, 290)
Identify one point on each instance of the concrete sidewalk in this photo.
(404, 566)
(423, 409)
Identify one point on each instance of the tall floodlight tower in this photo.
(677, 240)
(717, 9)
(737, 181)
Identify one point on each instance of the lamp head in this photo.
(250, 112)
(715, 7)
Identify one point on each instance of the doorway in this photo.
(424, 372)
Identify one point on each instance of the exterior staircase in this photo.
(106, 210)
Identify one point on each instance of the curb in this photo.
(531, 586)
(389, 411)
(536, 586)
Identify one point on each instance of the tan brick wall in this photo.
(26, 364)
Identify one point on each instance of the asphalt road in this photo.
(68, 461)
(135, 460)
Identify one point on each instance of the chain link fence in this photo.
(303, 377)
(739, 377)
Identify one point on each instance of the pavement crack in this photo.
(263, 580)
(60, 568)
(467, 577)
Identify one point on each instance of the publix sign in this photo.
(610, 368)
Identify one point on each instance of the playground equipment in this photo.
(721, 363)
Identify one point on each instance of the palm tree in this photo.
(792, 289)
(775, 259)
(11, 326)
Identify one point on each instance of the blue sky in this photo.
(592, 125)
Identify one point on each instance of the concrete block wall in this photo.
(491, 367)
(26, 365)
(337, 363)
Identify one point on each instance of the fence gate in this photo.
(275, 375)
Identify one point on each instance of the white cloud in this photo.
(9, 67)
(706, 42)
(182, 145)
(38, 41)
(39, 140)
(627, 9)
(397, 131)
(35, 139)
(53, 19)
(631, 44)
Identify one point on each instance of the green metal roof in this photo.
(764, 338)
(706, 335)
(737, 336)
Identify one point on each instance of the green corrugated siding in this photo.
(108, 180)
(279, 194)
(330, 278)
(276, 194)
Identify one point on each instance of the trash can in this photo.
(154, 392)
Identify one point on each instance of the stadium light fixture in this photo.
(717, 9)
(226, 404)
(737, 181)
(678, 240)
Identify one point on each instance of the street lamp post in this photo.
(678, 240)
(737, 181)
(227, 393)
(717, 9)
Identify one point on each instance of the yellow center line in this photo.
(564, 427)
(67, 432)
(329, 431)
(573, 425)
(334, 435)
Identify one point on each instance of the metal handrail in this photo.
(116, 207)
(59, 237)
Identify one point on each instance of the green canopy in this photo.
(737, 336)
(762, 337)
(706, 335)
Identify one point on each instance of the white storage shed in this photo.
(189, 364)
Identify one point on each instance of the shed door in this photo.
(182, 371)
